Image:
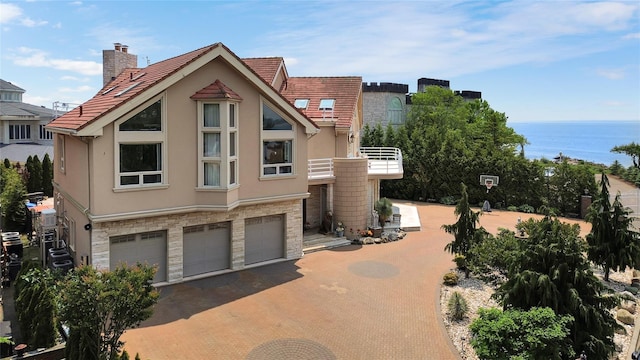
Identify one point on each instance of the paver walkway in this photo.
(354, 302)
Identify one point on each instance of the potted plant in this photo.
(384, 207)
(340, 229)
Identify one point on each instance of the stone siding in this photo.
(314, 206)
(375, 106)
(174, 224)
(350, 192)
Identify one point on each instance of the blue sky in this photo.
(543, 60)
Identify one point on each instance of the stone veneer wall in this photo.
(314, 206)
(174, 225)
(350, 192)
(374, 107)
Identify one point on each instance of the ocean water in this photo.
(585, 140)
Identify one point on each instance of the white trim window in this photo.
(218, 144)
(60, 150)
(19, 132)
(277, 143)
(140, 151)
(44, 133)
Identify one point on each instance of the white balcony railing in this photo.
(382, 161)
(320, 168)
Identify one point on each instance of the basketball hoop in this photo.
(489, 184)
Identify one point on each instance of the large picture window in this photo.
(278, 158)
(140, 148)
(140, 164)
(277, 143)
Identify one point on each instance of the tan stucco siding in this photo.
(181, 153)
(322, 145)
(74, 179)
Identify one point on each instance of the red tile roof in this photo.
(133, 82)
(217, 90)
(345, 90)
(266, 67)
(107, 99)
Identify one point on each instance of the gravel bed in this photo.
(478, 295)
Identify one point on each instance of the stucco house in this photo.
(198, 164)
(22, 125)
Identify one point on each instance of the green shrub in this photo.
(517, 334)
(512, 208)
(457, 306)
(448, 200)
(526, 209)
(461, 261)
(450, 279)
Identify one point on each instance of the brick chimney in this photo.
(115, 61)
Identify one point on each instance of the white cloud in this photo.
(611, 74)
(442, 39)
(9, 12)
(28, 22)
(614, 103)
(632, 36)
(83, 88)
(28, 57)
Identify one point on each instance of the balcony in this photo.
(384, 163)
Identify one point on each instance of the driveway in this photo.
(353, 302)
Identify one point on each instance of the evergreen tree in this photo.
(35, 305)
(35, 174)
(464, 231)
(47, 175)
(613, 244)
(7, 163)
(28, 165)
(616, 168)
(12, 201)
(365, 139)
(552, 271)
(632, 150)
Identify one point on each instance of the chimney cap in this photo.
(124, 48)
(117, 46)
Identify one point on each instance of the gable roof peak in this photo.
(217, 90)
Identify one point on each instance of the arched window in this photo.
(394, 111)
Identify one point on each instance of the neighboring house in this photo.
(389, 103)
(197, 164)
(21, 122)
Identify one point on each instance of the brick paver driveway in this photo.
(355, 302)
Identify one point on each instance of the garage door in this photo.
(149, 248)
(264, 239)
(206, 248)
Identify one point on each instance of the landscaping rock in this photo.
(625, 317)
(630, 306)
(631, 289)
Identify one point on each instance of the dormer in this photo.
(10, 92)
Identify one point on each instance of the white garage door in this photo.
(206, 248)
(149, 248)
(264, 239)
